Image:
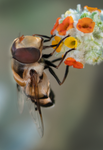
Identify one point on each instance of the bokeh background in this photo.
(76, 121)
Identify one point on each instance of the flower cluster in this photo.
(83, 31)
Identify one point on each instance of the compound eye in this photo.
(26, 55)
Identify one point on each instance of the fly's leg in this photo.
(61, 60)
(50, 63)
(56, 77)
(48, 38)
(57, 59)
(57, 45)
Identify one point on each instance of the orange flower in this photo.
(65, 25)
(91, 9)
(72, 62)
(85, 25)
(55, 26)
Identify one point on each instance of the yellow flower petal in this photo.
(56, 41)
(57, 38)
(70, 42)
(67, 12)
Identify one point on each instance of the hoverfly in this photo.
(28, 67)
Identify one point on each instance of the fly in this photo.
(28, 67)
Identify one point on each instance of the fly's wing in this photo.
(33, 110)
(34, 107)
(21, 97)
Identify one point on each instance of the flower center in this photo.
(85, 26)
(73, 43)
(66, 26)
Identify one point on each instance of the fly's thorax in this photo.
(29, 41)
(38, 67)
(23, 70)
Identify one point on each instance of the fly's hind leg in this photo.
(56, 77)
(50, 64)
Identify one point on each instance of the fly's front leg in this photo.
(57, 45)
(48, 38)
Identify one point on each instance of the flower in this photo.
(55, 26)
(70, 42)
(72, 62)
(82, 32)
(56, 41)
(65, 25)
(91, 9)
(85, 25)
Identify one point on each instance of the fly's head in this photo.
(27, 49)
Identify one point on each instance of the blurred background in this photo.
(75, 122)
